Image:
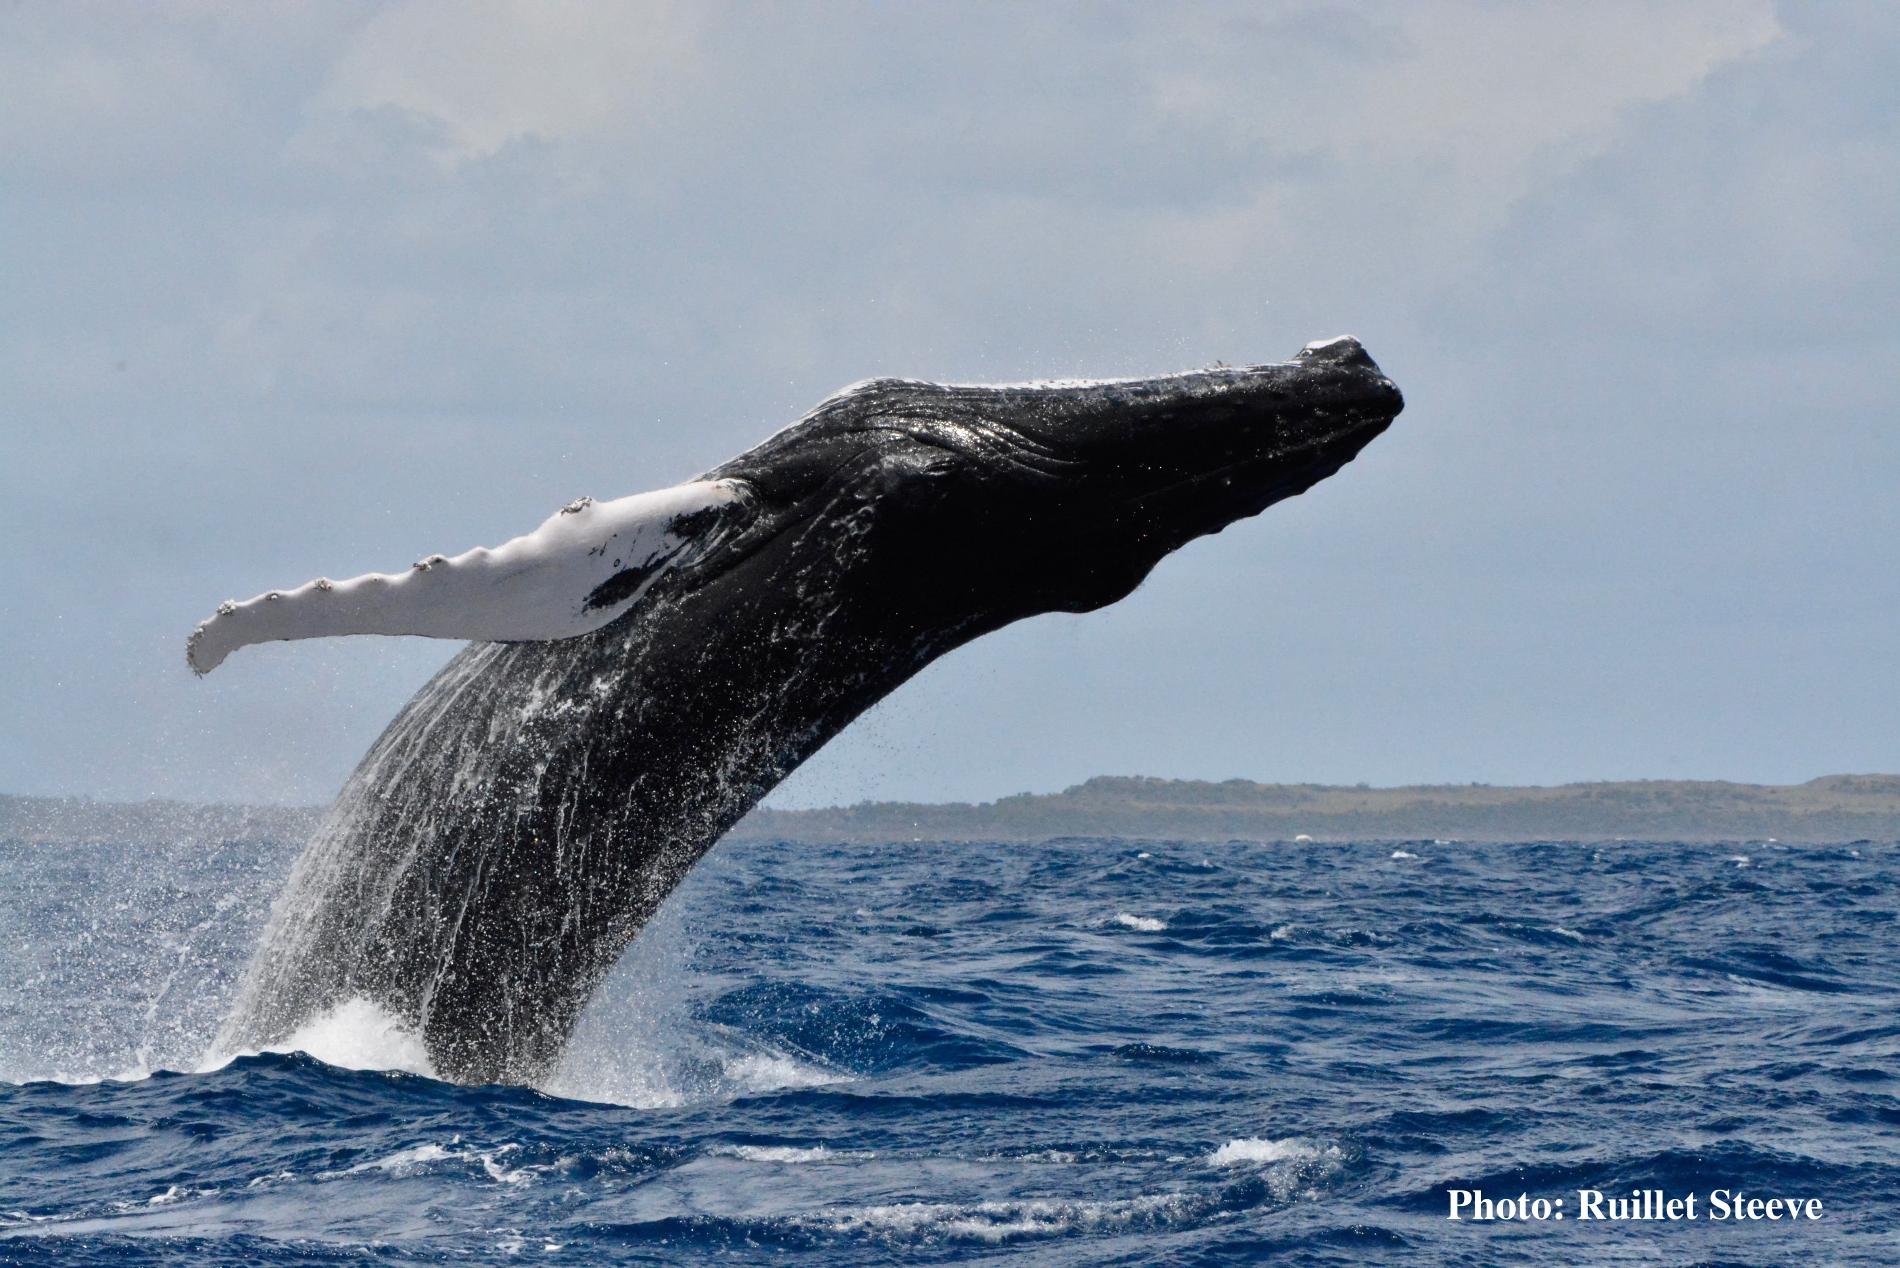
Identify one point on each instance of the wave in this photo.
(1296, 1066)
(355, 1035)
(995, 1222)
(418, 1159)
(777, 1153)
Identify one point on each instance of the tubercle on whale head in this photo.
(1059, 495)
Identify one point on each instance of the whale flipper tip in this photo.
(196, 658)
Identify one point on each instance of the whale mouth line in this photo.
(1358, 433)
(999, 443)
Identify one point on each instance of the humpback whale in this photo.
(646, 669)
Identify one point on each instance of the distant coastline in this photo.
(1832, 809)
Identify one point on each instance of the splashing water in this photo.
(355, 1035)
(136, 964)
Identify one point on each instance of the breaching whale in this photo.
(650, 667)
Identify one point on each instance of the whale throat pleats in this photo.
(583, 567)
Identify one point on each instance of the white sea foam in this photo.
(770, 1071)
(777, 1153)
(358, 1035)
(1002, 1221)
(515, 1242)
(1293, 1167)
(20, 1219)
(1258, 1150)
(355, 1035)
(401, 1162)
(418, 1158)
(1143, 924)
(1058, 1157)
(171, 1196)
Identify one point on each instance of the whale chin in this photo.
(668, 658)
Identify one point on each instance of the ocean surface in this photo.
(1085, 1052)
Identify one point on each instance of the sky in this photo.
(289, 290)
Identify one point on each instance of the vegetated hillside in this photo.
(1833, 808)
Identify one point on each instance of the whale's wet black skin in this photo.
(528, 811)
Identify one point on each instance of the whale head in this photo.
(964, 507)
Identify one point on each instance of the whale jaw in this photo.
(1020, 498)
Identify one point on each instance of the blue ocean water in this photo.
(1085, 1052)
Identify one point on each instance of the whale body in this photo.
(649, 668)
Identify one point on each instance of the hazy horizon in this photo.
(322, 289)
(1003, 796)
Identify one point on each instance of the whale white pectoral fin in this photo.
(583, 567)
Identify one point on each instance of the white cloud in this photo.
(1422, 123)
(504, 70)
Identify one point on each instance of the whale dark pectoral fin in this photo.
(586, 565)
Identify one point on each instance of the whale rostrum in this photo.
(646, 669)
